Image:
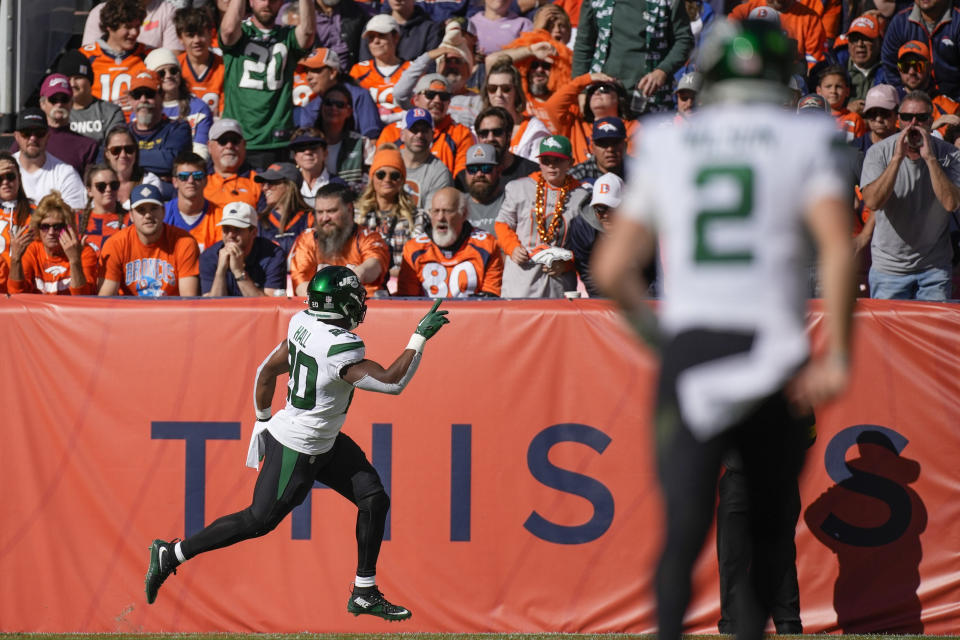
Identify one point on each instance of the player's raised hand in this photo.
(431, 323)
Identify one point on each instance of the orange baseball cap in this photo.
(145, 80)
(321, 58)
(915, 47)
(866, 26)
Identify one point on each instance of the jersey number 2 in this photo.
(742, 178)
(303, 378)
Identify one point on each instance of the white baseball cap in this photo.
(238, 214)
(160, 58)
(608, 190)
(381, 23)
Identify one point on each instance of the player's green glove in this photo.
(431, 323)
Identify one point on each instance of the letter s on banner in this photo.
(569, 482)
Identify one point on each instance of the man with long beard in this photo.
(454, 259)
(336, 240)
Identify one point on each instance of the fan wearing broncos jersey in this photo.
(735, 197)
(454, 260)
(302, 443)
(117, 57)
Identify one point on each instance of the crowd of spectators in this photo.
(442, 147)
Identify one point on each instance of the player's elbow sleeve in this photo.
(369, 383)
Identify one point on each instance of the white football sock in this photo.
(177, 552)
(365, 581)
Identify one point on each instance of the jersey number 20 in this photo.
(263, 66)
(303, 378)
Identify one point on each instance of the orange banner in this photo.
(518, 462)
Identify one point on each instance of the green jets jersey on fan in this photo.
(258, 84)
(317, 397)
(726, 194)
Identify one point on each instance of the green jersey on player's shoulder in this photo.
(258, 84)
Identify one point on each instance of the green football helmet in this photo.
(335, 293)
(747, 60)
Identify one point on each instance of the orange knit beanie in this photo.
(388, 156)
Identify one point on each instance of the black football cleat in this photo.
(163, 562)
(370, 601)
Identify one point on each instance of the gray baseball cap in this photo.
(481, 154)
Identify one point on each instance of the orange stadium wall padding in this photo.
(524, 496)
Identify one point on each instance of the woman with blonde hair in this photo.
(57, 262)
(385, 206)
(103, 216)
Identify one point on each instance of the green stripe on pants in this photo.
(287, 464)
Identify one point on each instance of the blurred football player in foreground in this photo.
(302, 442)
(734, 196)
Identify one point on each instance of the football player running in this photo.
(302, 442)
(735, 195)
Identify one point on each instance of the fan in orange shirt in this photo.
(798, 20)
(57, 262)
(112, 75)
(450, 139)
(103, 215)
(302, 92)
(232, 178)
(150, 258)
(913, 64)
(337, 240)
(200, 67)
(603, 97)
(117, 57)
(189, 210)
(544, 64)
(453, 260)
(382, 71)
(835, 89)
(15, 206)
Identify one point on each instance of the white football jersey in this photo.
(726, 194)
(317, 398)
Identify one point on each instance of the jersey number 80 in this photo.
(437, 284)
